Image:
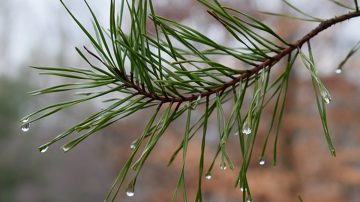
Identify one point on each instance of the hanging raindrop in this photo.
(326, 96)
(130, 190)
(25, 120)
(248, 200)
(65, 148)
(208, 176)
(43, 150)
(25, 127)
(338, 71)
(133, 145)
(246, 130)
(223, 166)
(262, 162)
(333, 151)
(327, 100)
(242, 189)
(130, 193)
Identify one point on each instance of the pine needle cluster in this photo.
(174, 70)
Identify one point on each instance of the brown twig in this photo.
(267, 63)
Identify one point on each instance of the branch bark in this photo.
(267, 63)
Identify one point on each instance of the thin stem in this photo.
(356, 5)
(267, 63)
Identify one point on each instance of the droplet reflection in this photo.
(130, 193)
(247, 131)
(25, 127)
(262, 162)
(43, 150)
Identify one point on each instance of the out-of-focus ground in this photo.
(41, 33)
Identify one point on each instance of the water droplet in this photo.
(208, 176)
(327, 100)
(65, 148)
(248, 200)
(242, 189)
(246, 130)
(333, 151)
(36, 93)
(223, 166)
(25, 127)
(338, 71)
(130, 189)
(236, 134)
(43, 150)
(133, 145)
(25, 120)
(262, 162)
(130, 193)
(326, 96)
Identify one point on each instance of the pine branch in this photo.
(151, 71)
(267, 63)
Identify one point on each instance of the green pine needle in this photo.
(175, 70)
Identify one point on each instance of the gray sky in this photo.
(35, 32)
(32, 30)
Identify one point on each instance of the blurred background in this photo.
(41, 33)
